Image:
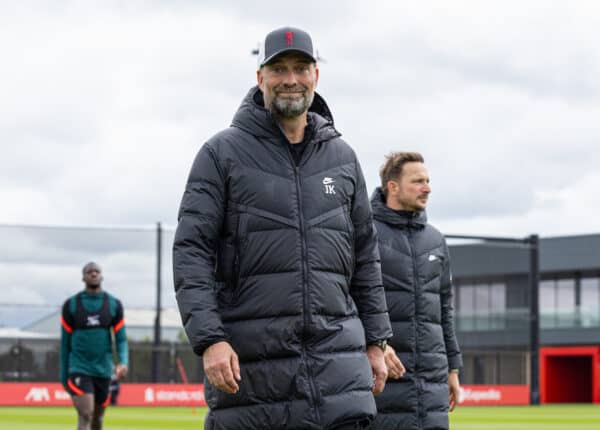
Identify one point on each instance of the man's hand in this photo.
(380, 373)
(120, 371)
(395, 367)
(222, 367)
(454, 387)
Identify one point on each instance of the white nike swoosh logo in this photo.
(432, 257)
(327, 181)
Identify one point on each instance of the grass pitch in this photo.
(547, 417)
(116, 418)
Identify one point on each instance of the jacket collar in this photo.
(382, 213)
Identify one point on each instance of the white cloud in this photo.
(562, 211)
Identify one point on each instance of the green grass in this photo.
(116, 418)
(548, 417)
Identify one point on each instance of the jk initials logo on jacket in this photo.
(93, 320)
(329, 185)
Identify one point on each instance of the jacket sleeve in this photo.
(121, 335)
(66, 323)
(367, 287)
(194, 251)
(452, 348)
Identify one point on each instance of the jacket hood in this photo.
(389, 216)
(253, 118)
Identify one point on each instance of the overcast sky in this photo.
(103, 106)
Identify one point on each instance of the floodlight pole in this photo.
(534, 315)
(156, 344)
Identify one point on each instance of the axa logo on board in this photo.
(42, 395)
(38, 394)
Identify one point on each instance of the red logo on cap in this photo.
(289, 36)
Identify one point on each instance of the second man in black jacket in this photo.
(416, 275)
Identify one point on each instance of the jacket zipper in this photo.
(306, 311)
(239, 239)
(416, 296)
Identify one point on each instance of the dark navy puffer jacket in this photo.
(282, 262)
(416, 275)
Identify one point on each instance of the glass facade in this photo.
(566, 302)
(481, 307)
(570, 302)
(589, 308)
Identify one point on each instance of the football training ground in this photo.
(548, 417)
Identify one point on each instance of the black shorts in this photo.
(79, 384)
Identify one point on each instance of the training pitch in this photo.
(548, 417)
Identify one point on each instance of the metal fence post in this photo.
(156, 345)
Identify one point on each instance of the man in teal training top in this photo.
(89, 320)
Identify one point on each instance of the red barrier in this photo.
(52, 394)
(494, 395)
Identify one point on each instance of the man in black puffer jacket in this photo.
(276, 266)
(416, 275)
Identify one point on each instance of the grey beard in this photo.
(287, 108)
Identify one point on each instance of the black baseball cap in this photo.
(285, 39)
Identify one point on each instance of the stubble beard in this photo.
(411, 206)
(291, 108)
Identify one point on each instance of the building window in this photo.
(482, 307)
(497, 306)
(565, 303)
(557, 303)
(494, 367)
(466, 308)
(590, 302)
(547, 297)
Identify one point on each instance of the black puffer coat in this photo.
(282, 262)
(416, 276)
